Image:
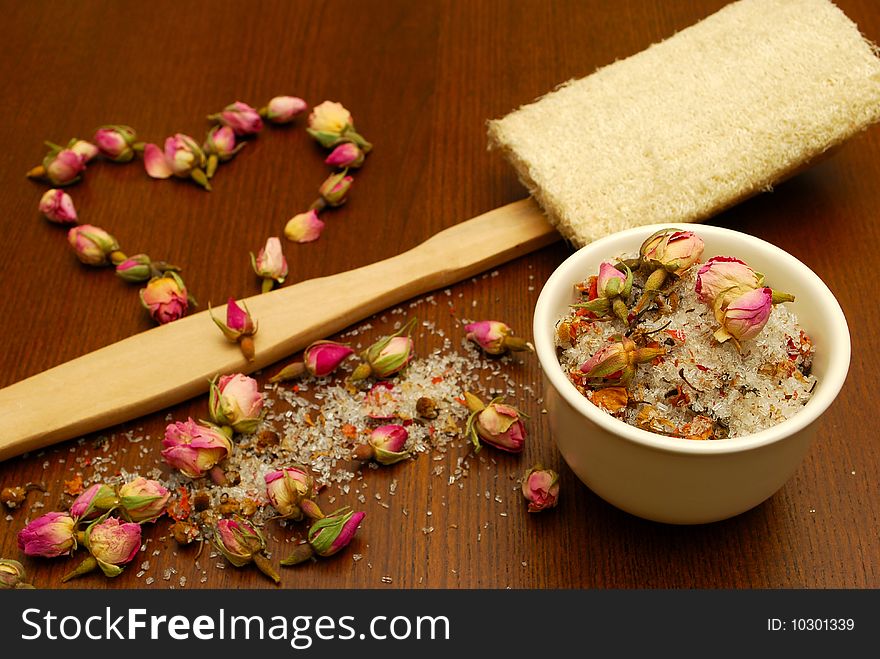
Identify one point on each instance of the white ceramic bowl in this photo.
(682, 481)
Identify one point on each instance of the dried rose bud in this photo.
(612, 286)
(182, 157)
(320, 359)
(387, 356)
(219, 147)
(615, 363)
(135, 269)
(335, 188)
(291, 491)
(94, 246)
(12, 575)
(113, 543)
(494, 337)
(270, 264)
(283, 109)
(540, 487)
(239, 327)
(242, 543)
(236, 401)
(745, 316)
(496, 424)
(240, 117)
(49, 536)
(304, 227)
(57, 206)
(668, 251)
(194, 448)
(116, 142)
(165, 298)
(327, 536)
(331, 124)
(85, 150)
(143, 500)
(63, 166)
(97, 499)
(184, 532)
(346, 155)
(723, 278)
(387, 444)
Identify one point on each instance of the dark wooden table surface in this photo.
(421, 79)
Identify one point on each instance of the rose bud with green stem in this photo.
(117, 142)
(385, 445)
(270, 264)
(496, 424)
(219, 147)
(331, 124)
(196, 449)
(333, 191)
(242, 543)
(94, 502)
(112, 544)
(240, 117)
(49, 535)
(667, 252)
(495, 337)
(292, 491)
(346, 155)
(387, 356)
(612, 290)
(327, 536)
(94, 246)
(615, 363)
(142, 500)
(239, 327)
(235, 401)
(166, 298)
(13, 575)
(182, 157)
(320, 359)
(62, 166)
(540, 487)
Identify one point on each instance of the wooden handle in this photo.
(168, 364)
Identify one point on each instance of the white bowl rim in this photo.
(545, 346)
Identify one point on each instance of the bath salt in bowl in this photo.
(703, 430)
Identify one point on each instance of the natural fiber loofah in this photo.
(696, 123)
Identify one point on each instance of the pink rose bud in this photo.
(93, 246)
(270, 264)
(333, 533)
(283, 109)
(97, 499)
(494, 337)
(387, 356)
(242, 543)
(612, 282)
(182, 157)
(165, 298)
(288, 491)
(540, 487)
(388, 444)
(239, 327)
(335, 188)
(136, 269)
(320, 359)
(236, 401)
(496, 424)
(50, 535)
(116, 142)
(745, 316)
(615, 363)
(240, 117)
(57, 206)
(143, 500)
(12, 575)
(723, 278)
(194, 448)
(64, 167)
(304, 228)
(220, 147)
(113, 543)
(85, 150)
(674, 251)
(345, 155)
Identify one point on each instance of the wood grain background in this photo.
(421, 79)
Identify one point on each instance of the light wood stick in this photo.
(174, 362)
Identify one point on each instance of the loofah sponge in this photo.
(696, 123)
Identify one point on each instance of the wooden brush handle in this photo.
(170, 363)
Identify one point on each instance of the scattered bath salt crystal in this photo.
(203, 579)
(503, 514)
(220, 566)
(139, 574)
(812, 510)
(166, 575)
(356, 557)
(427, 529)
(392, 489)
(146, 564)
(429, 513)
(385, 505)
(405, 512)
(378, 496)
(182, 581)
(9, 518)
(149, 580)
(386, 579)
(498, 498)
(524, 564)
(156, 552)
